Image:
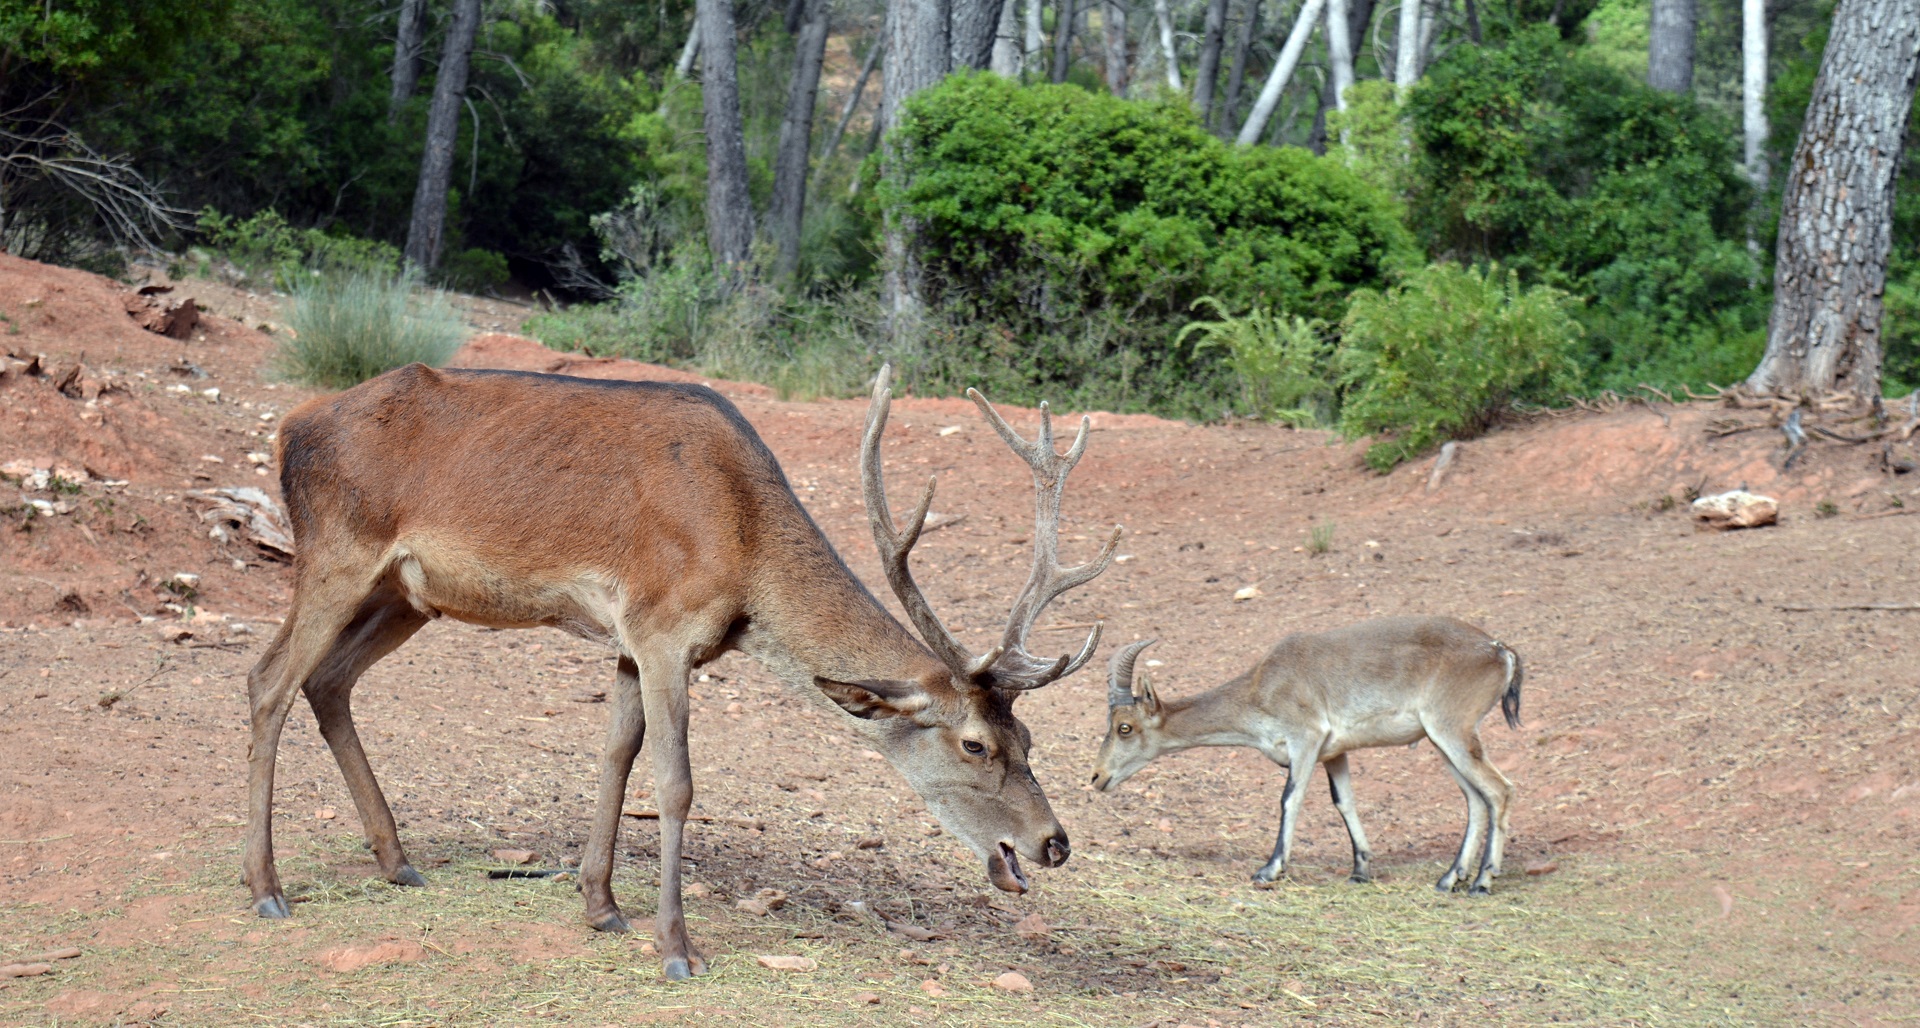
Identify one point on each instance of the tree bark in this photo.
(972, 26)
(1062, 40)
(428, 228)
(1753, 90)
(1006, 43)
(918, 42)
(1358, 19)
(1282, 71)
(1339, 54)
(1036, 36)
(683, 68)
(1164, 18)
(1670, 46)
(729, 208)
(408, 40)
(1406, 47)
(1835, 223)
(1207, 73)
(1249, 27)
(853, 99)
(796, 136)
(1113, 30)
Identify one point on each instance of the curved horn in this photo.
(1120, 673)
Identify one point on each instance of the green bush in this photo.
(350, 327)
(1441, 355)
(474, 270)
(1279, 361)
(1067, 233)
(274, 252)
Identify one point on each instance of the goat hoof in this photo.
(1360, 878)
(274, 907)
(407, 876)
(677, 969)
(1479, 890)
(611, 921)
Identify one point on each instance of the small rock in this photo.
(343, 959)
(1012, 981)
(788, 963)
(1736, 509)
(174, 633)
(951, 430)
(868, 998)
(763, 903)
(698, 890)
(913, 931)
(259, 458)
(1033, 927)
(1246, 592)
(325, 814)
(514, 856)
(933, 989)
(1542, 867)
(184, 580)
(871, 842)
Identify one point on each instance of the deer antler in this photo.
(1010, 663)
(895, 545)
(1120, 674)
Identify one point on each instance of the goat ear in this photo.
(876, 699)
(1148, 701)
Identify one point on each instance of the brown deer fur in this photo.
(646, 515)
(1317, 696)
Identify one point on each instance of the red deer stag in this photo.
(649, 516)
(1315, 697)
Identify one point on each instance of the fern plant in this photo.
(1280, 361)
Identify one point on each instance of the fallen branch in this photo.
(67, 953)
(737, 822)
(1896, 512)
(1852, 606)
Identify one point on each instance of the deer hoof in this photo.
(274, 906)
(611, 921)
(678, 970)
(406, 875)
(1360, 878)
(1479, 890)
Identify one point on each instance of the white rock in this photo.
(1736, 509)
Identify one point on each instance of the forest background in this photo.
(1116, 214)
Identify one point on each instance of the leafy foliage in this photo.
(1441, 355)
(1279, 361)
(271, 251)
(350, 327)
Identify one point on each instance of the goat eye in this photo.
(1125, 729)
(974, 748)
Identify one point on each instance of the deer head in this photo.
(1134, 720)
(951, 731)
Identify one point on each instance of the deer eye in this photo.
(974, 747)
(1125, 729)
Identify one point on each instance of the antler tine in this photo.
(1120, 673)
(1019, 669)
(891, 543)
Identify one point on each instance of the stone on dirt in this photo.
(345, 959)
(1736, 509)
(787, 963)
(1012, 981)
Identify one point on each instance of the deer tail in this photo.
(1516, 674)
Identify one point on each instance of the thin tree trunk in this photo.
(796, 136)
(729, 208)
(1207, 73)
(408, 38)
(1036, 36)
(1430, 15)
(1339, 54)
(853, 100)
(1473, 21)
(1753, 90)
(1406, 47)
(1006, 43)
(1836, 221)
(1670, 45)
(1113, 30)
(428, 229)
(1358, 18)
(1062, 40)
(972, 26)
(1167, 49)
(683, 68)
(1237, 75)
(918, 53)
(1282, 71)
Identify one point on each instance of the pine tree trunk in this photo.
(1282, 71)
(1164, 19)
(1062, 40)
(971, 29)
(1836, 222)
(408, 40)
(796, 136)
(1406, 47)
(1753, 90)
(428, 229)
(918, 43)
(729, 208)
(1670, 46)
(1006, 43)
(1358, 20)
(1249, 27)
(1036, 35)
(1207, 73)
(1113, 29)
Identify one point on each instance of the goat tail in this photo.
(1516, 674)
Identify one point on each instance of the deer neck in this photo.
(814, 619)
(1221, 716)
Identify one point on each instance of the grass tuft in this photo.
(348, 328)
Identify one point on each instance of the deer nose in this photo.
(1057, 850)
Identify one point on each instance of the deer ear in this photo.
(876, 699)
(1148, 701)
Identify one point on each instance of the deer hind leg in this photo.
(1498, 793)
(1342, 788)
(319, 613)
(1300, 763)
(383, 623)
(624, 736)
(1487, 792)
(663, 689)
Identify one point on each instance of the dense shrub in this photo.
(276, 254)
(348, 328)
(1441, 355)
(1279, 361)
(1065, 234)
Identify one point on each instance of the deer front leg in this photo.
(663, 684)
(1342, 788)
(625, 732)
(1300, 763)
